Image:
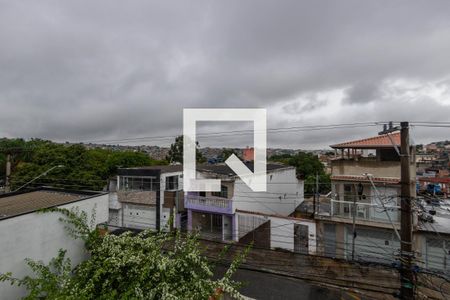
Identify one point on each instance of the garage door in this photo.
(139, 216)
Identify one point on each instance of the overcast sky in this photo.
(104, 70)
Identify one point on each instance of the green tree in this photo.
(83, 168)
(175, 154)
(227, 152)
(149, 265)
(307, 166)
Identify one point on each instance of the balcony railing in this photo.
(365, 211)
(209, 203)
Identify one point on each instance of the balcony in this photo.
(366, 165)
(209, 203)
(365, 211)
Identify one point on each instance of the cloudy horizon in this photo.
(114, 70)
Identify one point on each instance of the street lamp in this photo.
(43, 174)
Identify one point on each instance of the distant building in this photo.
(431, 147)
(248, 154)
(25, 233)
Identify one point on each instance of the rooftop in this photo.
(150, 170)
(387, 180)
(14, 204)
(223, 169)
(380, 141)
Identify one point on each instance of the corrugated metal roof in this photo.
(161, 168)
(17, 204)
(380, 141)
(224, 169)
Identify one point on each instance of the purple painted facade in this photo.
(189, 219)
(210, 205)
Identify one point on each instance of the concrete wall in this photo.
(165, 212)
(39, 237)
(143, 216)
(376, 168)
(284, 194)
(372, 244)
(282, 233)
(137, 197)
(281, 229)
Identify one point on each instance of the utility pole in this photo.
(407, 276)
(8, 173)
(354, 226)
(316, 195)
(360, 191)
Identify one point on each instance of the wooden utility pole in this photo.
(406, 234)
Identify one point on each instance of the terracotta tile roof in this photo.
(17, 204)
(391, 180)
(380, 141)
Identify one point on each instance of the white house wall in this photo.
(281, 230)
(139, 216)
(282, 234)
(143, 216)
(39, 236)
(165, 212)
(284, 194)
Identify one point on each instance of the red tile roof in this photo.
(391, 180)
(380, 141)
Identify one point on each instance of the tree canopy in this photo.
(175, 154)
(147, 265)
(227, 152)
(307, 166)
(82, 168)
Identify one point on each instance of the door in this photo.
(329, 240)
(301, 238)
(227, 227)
(139, 216)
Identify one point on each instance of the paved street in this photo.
(263, 286)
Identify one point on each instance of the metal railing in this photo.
(365, 211)
(210, 201)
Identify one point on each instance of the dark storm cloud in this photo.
(362, 93)
(97, 70)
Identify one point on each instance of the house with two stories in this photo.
(147, 197)
(362, 217)
(236, 211)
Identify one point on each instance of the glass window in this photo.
(172, 182)
(223, 192)
(128, 183)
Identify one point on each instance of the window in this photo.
(223, 192)
(130, 183)
(172, 182)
